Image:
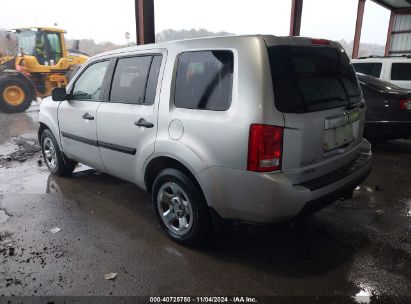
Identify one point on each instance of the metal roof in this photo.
(38, 28)
(394, 4)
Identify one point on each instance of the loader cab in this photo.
(46, 45)
(41, 62)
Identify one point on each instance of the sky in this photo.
(109, 20)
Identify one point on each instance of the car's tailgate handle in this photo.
(143, 123)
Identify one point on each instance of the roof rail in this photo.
(389, 56)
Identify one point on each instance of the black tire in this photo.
(201, 223)
(62, 165)
(24, 86)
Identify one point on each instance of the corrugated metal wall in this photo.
(401, 35)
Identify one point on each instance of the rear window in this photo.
(401, 71)
(369, 68)
(204, 80)
(308, 79)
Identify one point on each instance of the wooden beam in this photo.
(295, 20)
(145, 31)
(401, 52)
(401, 32)
(403, 11)
(358, 28)
(389, 33)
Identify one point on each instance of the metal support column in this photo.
(145, 21)
(296, 13)
(358, 28)
(389, 34)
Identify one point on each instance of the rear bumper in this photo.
(325, 200)
(388, 129)
(266, 198)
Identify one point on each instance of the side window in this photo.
(153, 80)
(54, 46)
(401, 71)
(130, 79)
(373, 68)
(204, 80)
(88, 85)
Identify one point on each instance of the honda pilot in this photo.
(253, 129)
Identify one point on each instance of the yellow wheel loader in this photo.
(42, 62)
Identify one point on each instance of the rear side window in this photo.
(401, 71)
(135, 80)
(204, 80)
(307, 79)
(369, 68)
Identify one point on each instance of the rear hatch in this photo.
(316, 89)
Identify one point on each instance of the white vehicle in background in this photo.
(394, 69)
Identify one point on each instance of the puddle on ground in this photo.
(406, 209)
(3, 216)
(26, 177)
(31, 176)
(364, 295)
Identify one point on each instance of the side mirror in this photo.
(59, 94)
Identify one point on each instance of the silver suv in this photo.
(247, 128)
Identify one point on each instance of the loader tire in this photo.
(16, 95)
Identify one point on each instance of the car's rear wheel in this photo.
(180, 207)
(53, 157)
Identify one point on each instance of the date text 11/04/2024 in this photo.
(239, 299)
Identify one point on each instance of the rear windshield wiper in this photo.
(341, 98)
(312, 103)
(353, 105)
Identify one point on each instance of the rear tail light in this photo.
(320, 41)
(405, 104)
(264, 148)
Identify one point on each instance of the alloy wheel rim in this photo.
(49, 153)
(175, 208)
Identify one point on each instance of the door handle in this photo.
(143, 123)
(87, 116)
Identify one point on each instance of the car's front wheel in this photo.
(53, 157)
(180, 207)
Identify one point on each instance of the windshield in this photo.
(27, 41)
(307, 79)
